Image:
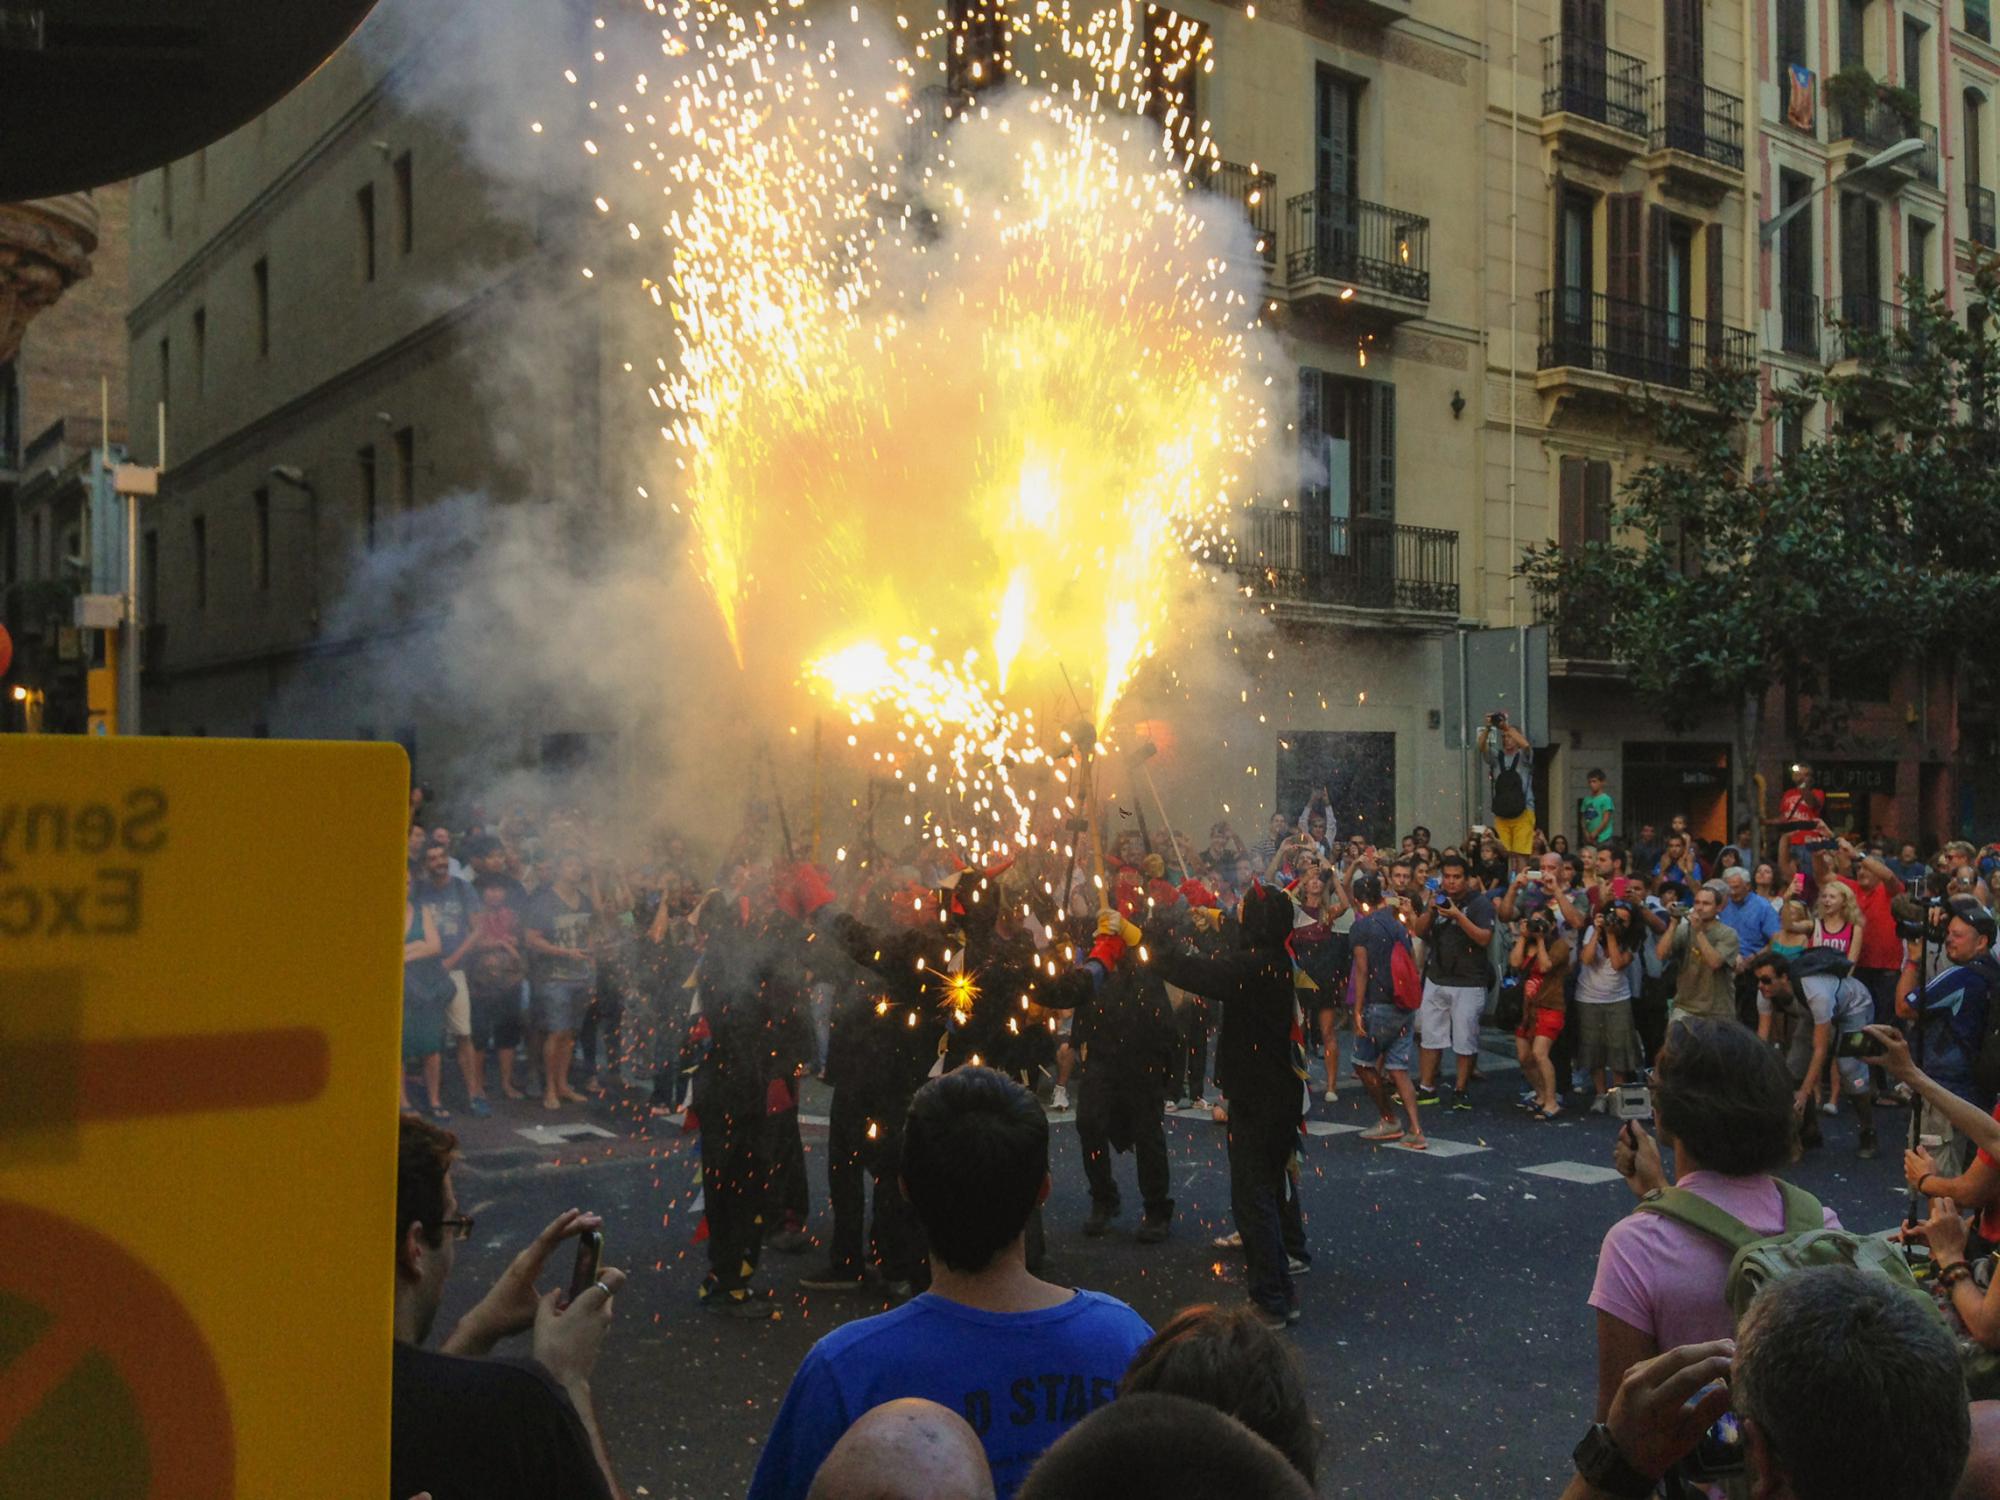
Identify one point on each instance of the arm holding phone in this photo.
(1968, 1119)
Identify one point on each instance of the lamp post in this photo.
(1901, 151)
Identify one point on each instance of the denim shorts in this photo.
(1385, 1038)
(559, 1004)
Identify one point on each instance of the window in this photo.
(364, 223)
(1791, 433)
(1919, 267)
(1913, 58)
(37, 545)
(1860, 261)
(260, 296)
(406, 468)
(978, 58)
(1336, 136)
(406, 208)
(1975, 138)
(260, 538)
(10, 417)
(365, 461)
(200, 349)
(1347, 433)
(166, 371)
(1586, 502)
(1979, 19)
(1798, 304)
(1173, 48)
(1791, 47)
(199, 527)
(1853, 33)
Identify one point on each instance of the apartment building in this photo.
(1483, 229)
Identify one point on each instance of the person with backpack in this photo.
(1826, 1005)
(1724, 1107)
(1510, 785)
(1386, 992)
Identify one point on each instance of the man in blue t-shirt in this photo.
(1951, 1015)
(1382, 1029)
(1020, 1359)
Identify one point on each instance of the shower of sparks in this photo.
(965, 379)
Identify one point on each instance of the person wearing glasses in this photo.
(461, 1423)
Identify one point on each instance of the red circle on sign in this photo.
(6, 650)
(109, 1323)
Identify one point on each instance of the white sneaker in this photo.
(1829, 1109)
(1332, 1097)
(1060, 1099)
(1600, 1104)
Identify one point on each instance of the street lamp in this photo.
(1901, 151)
(295, 476)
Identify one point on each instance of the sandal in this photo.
(438, 1112)
(1419, 1144)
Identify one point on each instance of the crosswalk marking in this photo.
(1328, 1127)
(1574, 1171)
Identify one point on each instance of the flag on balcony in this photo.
(1801, 105)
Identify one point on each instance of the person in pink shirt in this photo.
(1724, 1105)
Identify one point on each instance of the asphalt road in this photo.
(1446, 1331)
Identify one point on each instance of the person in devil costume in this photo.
(1131, 1047)
(1260, 1063)
(750, 1030)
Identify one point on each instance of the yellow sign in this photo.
(200, 991)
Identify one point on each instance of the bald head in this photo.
(905, 1450)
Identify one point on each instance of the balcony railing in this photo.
(1590, 331)
(1798, 322)
(1335, 237)
(1980, 226)
(1866, 328)
(1590, 79)
(1875, 127)
(1257, 192)
(1357, 561)
(1687, 115)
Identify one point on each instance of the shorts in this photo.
(1798, 1057)
(1604, 1036)
(1385, 1038)
(1540, 1022)
(496, 1019)
(423, 1023)
(559, 1004)
(458, 1009)
(1516, 835)
(1449, 1017)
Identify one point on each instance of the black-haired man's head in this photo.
(975, 1164)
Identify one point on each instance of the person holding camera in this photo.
(1705, 948)
(1950, 1012)
(1541, 957)
(1510, 785)
(1828, 1010)
(1607, 1046)
(1457, 926)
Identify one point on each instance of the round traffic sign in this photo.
(107, 1387)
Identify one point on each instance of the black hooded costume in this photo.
(1259, 1063)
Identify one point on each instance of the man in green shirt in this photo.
(1706, 948)
(1597, 813)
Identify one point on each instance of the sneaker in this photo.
(1427, 1096)
(1461, 1099)
(1292, 1314)
(480, 1108)
(1829, 1108)
(1100, 1219)
(1298, 1265)
(1230, 1241)
(1867, 1151)
(831, 1280)
(1151, 1231)
(1331, 1097)
(1600, 1104)
(1388, 1130)
(1060, 1099)
(790, 1242)
(752, 1307)
(1526, 1101)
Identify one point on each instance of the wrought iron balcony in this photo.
(1357, 246)
(1873, 128)
(1866, 329)
(1798, 322)
(1359, 561)
(1257, 192)
(1687, 115)
(1610, 336)
(1980, 227)
(1595, 82)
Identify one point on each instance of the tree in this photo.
(1721, 579)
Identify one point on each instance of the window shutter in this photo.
(1717, 302)
(1623, 246)
(1597, 501)
(1570, 497)
(1656, 257)
(1312, 439)
(1380, 501)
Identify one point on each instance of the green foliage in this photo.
(1853, 88)
(1883, 535)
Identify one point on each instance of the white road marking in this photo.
(1574, 1171)
(561, 1135)
(1328, 1127)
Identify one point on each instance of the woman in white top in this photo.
(1606, 1040)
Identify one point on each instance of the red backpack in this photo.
(1404, 980)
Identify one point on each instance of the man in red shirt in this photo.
(1875, 885)
(1801, 801)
